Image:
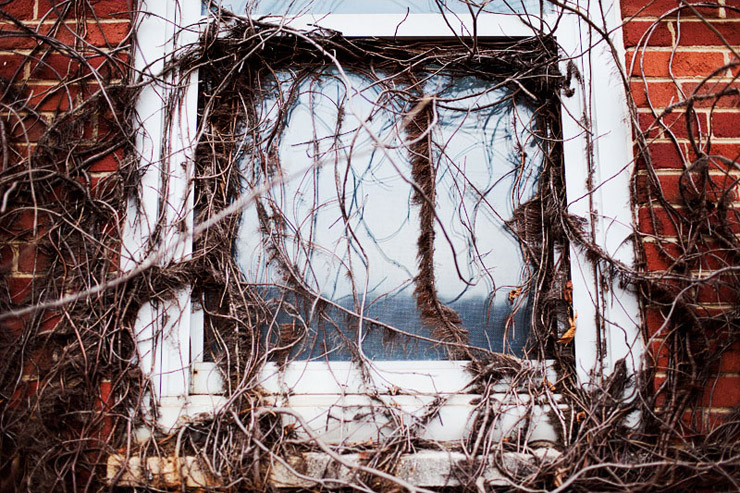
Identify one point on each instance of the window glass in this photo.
(333, 244)
(282, 7)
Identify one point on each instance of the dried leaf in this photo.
(568, 292)
(571, 332)
(514, 294)
(549, 385)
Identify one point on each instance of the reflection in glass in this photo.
(294, 7)
(334, 242)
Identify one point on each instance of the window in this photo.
(321, 206)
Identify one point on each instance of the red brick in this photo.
(715, 91)
(725, 124)
(655, 321)
(656, 221)
(50, 321)
(102, 186)
(32, 260)
(101, 9)
(665, 155)
(6, 258)
(11, 66)
(702, 421)
(678, 188)
(22, 220)
(730, 150)
(730, 361)
(12, 37)
(724, 391)
(19, 289)
(665, 256)
(695, 33)
(110, 162)
(719, 289)
(682, 64)
(14, 325)
(660, 354)
(52, 98)
(26, 128)
(659, 94)
(57, 66)
(655, 8)
(39, 362)
(24, 394)
(98, 35)
(675, 123)
(19, 9)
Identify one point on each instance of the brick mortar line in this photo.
(691, 20)
(683, 79)
(682, 140)
(70, 22)
(678, 172)
(699, 275)
(679, 49)
(28, 51)
(645, 110)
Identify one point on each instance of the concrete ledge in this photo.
(429, 468)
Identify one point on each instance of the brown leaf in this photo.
(514, 294)
(571, 332)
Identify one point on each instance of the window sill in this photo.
(432, 400)
(428, 468)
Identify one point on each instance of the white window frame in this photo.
(598, 167)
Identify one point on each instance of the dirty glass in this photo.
(294, 7)
(332, 244)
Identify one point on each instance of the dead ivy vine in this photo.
(71, 390)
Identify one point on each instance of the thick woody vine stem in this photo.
(71, 326)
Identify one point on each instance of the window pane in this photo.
(335, 247)
(280, 7)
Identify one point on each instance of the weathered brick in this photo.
(675, 123)
(50, 320)
(7, 255)
(111, 162)
(19, 289)
(52, 97)
(659, 353)
(685, 33)
(12, 37)
(657, 221)
(101, 9)
(11, 66)
(58, 66)
(724, 391)
(24, 220)
(725, 124)
(668, 255)
(655, 8)
(657, 94)
(655, 321)
(19, 9)
(13, 325)
(25, 128)
(719, 94)
(651, 63)
(31, 259)
(95, 34)
(678, 188)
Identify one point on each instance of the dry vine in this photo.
(57, 430)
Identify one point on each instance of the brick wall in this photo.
(54, 54)
(61, 141)
(683, 63)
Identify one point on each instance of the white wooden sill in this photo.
(341, 406)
